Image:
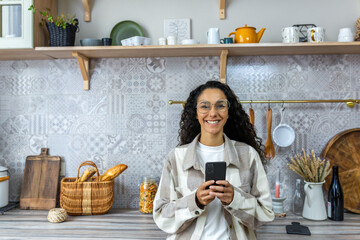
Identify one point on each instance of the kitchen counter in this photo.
(131, 224)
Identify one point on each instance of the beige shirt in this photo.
(175, 209)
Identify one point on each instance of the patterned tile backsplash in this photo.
(125, 118)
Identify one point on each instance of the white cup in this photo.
(316, 34)
(162, 41)
(213, 36)
(345, 35)
(171, 40)
(290, 35)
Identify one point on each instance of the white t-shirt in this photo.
(215, 226)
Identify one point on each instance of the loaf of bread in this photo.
(87, 174)
(113, 172)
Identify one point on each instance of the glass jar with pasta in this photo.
(148, 188)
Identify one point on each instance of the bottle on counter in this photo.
(335, 198)
(148, 188)
(298, 199)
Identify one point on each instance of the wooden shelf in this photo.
(249, 49)
(85, 54)
(22, 54)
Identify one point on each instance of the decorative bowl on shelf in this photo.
(90, 42)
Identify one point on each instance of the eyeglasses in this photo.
(220, 106)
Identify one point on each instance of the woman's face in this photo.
(212, 111)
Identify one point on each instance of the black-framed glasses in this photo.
(220, 106)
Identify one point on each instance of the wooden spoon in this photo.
(269, 146)
(252, 116)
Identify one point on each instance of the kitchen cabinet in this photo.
(85, 54)
(16, 24)
(131, 224)
(20, 28)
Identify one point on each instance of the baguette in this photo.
(87, 174)
(113, 172)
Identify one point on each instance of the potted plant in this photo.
(62, 29)
(314, 171)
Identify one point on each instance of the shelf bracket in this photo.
(84, 63)
(222, 9)
(87, 10)
(223, 58)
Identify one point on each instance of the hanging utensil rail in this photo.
(349, 102)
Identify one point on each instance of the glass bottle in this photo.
(298, 200)
(148, 188)
(335, 198)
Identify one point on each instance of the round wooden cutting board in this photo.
(343, 150)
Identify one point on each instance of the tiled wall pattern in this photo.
(125, 117)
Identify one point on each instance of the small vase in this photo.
(314, 205)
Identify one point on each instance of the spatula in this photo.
(252, 116)
(269, 146)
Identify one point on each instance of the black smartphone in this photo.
(215, 171)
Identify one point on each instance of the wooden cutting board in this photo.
(343, 150)
(40, 181)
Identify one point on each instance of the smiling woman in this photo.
(212, 119)
(213, 128)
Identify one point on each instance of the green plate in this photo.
(125, 29)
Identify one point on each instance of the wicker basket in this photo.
(59, 36)
(86, 198)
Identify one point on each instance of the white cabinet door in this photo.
(16, 24)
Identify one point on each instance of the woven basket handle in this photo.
(87, 163)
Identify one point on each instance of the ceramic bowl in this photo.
(90, 42)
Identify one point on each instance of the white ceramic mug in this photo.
(316, 34)
(345, 35)
(290, 35)
(171, 40)
(213, 36)
(162, 41)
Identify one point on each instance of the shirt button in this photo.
(197, 212)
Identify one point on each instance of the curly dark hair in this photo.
(237, 127)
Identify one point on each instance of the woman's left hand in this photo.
(224, 191)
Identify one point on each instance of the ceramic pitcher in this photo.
(314, 205)
(213, 36)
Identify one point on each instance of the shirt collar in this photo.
(191, 159)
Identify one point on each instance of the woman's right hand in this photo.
(202, 194)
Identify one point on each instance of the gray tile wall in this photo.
(125, 117)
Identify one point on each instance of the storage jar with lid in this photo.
(148, 188)
(4, 186)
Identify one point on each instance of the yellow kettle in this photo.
(247, 34)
